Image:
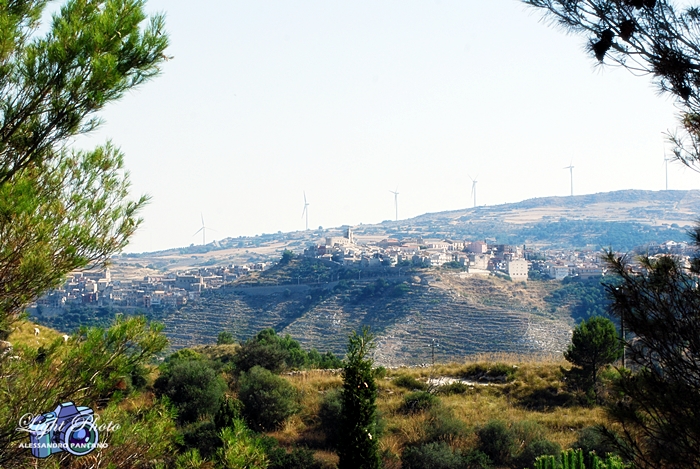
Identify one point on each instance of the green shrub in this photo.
(380, 372)
(191, 459)
(202, 436)
(443, 425)
(342, 285)
(323, 361)
(183, 355)
(330, 414)
(517, 446)
(590, 439)
(545, 397)
(492, 372)
(268, 400)
(497, 441)
(453, 388)
(225, 338)
(435, 455)
(527, 431)
(241, 448)
(527, 456)
(298, 458)
(193, 387)
(261, 352)
(279, 458)
(277, 353)
(138, 377)
(230, 409)
(502, 369)
(400, 290)
(476, 369)
(418, 402)
(410, 383)
(475, 459)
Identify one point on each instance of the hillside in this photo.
(467, 315)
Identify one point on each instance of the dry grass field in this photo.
(533, 393)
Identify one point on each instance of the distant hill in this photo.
(621, 220)
(648, 207)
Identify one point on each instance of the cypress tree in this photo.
(358, 448)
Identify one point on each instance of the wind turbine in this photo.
(666, 160)
(203, 229)
(396, 201)
(474, 181)
(306, 212)
(571, 172)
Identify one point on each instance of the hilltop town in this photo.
(388, 256)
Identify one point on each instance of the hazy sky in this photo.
(349, 100)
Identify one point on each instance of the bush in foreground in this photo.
(439, 455)
(193, 387)
(268, 400)
(418, 402)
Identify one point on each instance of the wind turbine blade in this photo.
(202, 215)
(197, 232)
(304, 197)
(303, 211)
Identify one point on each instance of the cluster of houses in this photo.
(98, 288)
(475, 257)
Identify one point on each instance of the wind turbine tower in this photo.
(474, 181)
(203, 229)
(305, 212)
(666, 160)
(396, 201)
(571, 172)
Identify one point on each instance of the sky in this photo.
(347, 101)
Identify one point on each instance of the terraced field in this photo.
(466, 316)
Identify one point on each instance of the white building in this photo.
(517, 270)
(558, 272)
